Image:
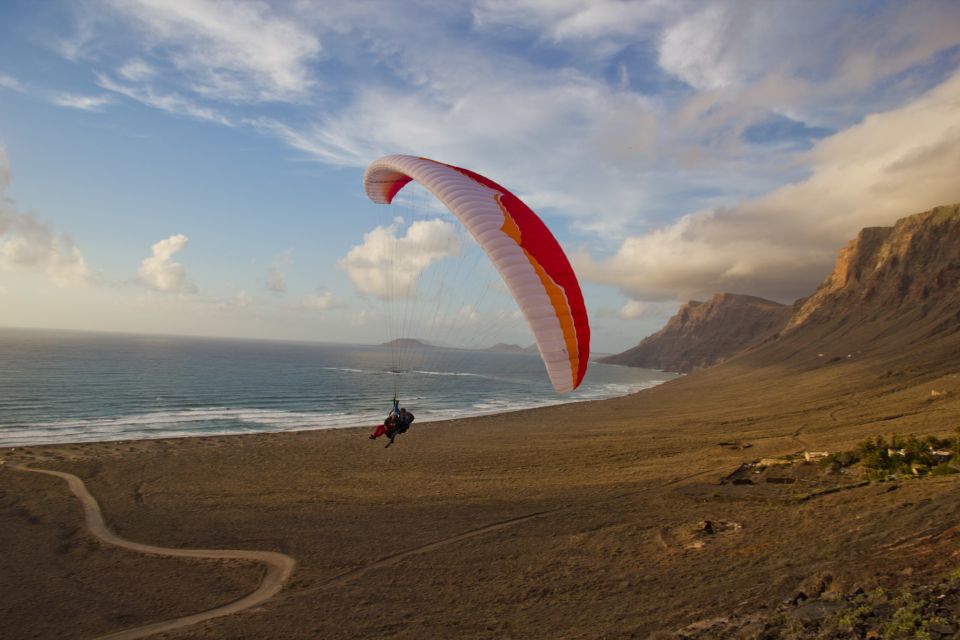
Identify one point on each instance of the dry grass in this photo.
(604, 498)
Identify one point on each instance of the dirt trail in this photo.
(279, 566)
(352, 574)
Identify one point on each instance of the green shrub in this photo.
(944, 470)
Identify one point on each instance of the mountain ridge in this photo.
(702, 334)
(889, 285)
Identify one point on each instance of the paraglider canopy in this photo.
(524, 252)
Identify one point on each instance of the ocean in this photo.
(66, 387)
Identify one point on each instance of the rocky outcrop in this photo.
(893, 289)
(704, 333)
(909, 269)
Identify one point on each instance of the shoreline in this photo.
(361, 428)
(539, 523)
(365, 424)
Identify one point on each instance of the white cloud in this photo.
(170, 102)
(27, 244)
(562, 142)
(136, 70)
(319, 301)
(781, 245)
(743, 56)
(276, 279)
(9, 82)
(388, 266)
(236, 51)
(561, 20)
(696, 49)
(577, 140)
(161, 272)
(82, 102)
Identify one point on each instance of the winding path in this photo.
(279, 566)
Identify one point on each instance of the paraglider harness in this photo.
(397, 422)
(403, 418)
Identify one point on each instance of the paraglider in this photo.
(524, 252)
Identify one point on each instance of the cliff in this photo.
(702, 334)
(911, 269)
(893, 293)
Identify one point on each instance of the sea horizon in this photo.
(71, 386)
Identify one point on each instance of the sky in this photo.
(195, 167)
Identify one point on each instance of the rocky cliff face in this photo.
(704, 333)
(910, 269)
(893, 289)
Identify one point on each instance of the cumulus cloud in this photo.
(26, 244)
(160, 272)
(781, 245)
(388, 266)
(30, 245)
(276, 280)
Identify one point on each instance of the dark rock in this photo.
(816, 584)
(702, 334)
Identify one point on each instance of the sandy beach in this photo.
(575, 521)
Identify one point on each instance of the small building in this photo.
(814, 455)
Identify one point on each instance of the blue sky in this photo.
(195, 167)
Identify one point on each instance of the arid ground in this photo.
(576, 521)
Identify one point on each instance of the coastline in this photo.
(551, 522)
(82, 389)
(328, 420)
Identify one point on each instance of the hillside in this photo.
(892, 289)
(406, 343)
(702, 334)
(908, 271)
(892, 299)
(612, 518)
(504, 347)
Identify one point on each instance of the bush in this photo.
(944, 470)
(843, 458)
